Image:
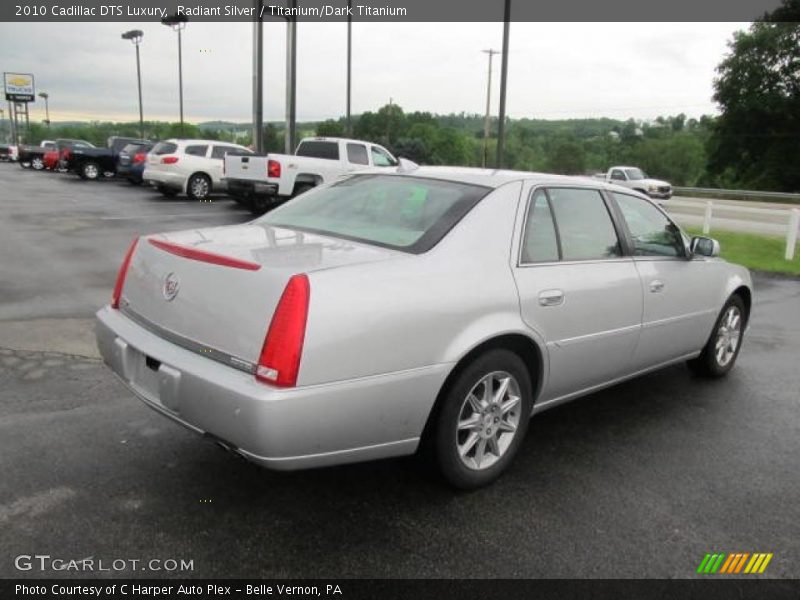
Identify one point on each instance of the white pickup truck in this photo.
(263, 181)
(636, 179)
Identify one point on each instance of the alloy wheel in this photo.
(488, 420)
(728, 335)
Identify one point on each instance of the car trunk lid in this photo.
(215, 290)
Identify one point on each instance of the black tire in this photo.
(91, 171)
(301, 188)
(25, 164)
(167, 192)
(259, 204)
(711, 362)
(198, 187)
(37, 163)
(447, 437)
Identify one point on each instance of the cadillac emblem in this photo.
(171, 287)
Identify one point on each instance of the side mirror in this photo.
(704, 246)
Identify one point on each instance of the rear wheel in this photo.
(722, 348)
(90, 171)
(483, 419)
(301, 188)
(167, 191)
(199, 187)
(37, 163)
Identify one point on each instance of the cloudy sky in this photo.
(556, 70)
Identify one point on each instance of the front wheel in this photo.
(37, 163)
(483, 419)
(720, 352)
(25, 164)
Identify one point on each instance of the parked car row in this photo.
(199, 168)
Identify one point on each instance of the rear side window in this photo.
(164, 148)
(357, 154)
(584, 226)
(540, 243)
(196, 150)
(314, 149)
(404, 213)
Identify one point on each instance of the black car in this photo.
(94, 163)
(131, 161)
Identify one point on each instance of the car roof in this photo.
(191, 141)
(318, 138)
(495, 178)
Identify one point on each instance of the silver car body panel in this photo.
(385, 328)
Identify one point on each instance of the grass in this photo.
(759, 252)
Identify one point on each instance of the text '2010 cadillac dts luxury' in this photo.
(437, 309)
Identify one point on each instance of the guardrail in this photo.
(744, 194)
(792, 214)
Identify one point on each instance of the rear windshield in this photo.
(164, 148)
(319, 150)
(404, 213)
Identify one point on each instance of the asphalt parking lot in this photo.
(641, 480)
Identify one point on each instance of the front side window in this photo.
(404, 213)
(220, 151)
(584, 225)
(635, 174)
(357, 154)
(652, 232)
(380, 158)
(196, 150)
(539, 243)
(617, 175)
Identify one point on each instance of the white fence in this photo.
(792, 217)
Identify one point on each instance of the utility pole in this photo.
(491, 54)
(178, 23)
(291, 80)
(501, 124)
(349, 64)
(258, 80)
(135, 36)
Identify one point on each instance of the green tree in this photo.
(757, 136)
(567, 157)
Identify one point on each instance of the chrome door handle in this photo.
(656, 286)
(551, 298)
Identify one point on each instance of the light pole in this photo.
(135, 36)
(178, 23)
(491, 54)
(501, 124)
(45, 96)
(349, 64)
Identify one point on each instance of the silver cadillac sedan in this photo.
(436, 310)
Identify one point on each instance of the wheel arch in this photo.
(204, 174)
(746, 295)
(524, 346)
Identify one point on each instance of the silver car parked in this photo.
(436, 310)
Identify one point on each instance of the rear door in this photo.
(577, 288)
(679, 294)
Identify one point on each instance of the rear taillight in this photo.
(169, 160)
(273, 168)
(138, 157)
(279, 362)
(123, 272)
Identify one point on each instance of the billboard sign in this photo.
(19, 87)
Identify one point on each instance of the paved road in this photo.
(637, 481)
(772, 218)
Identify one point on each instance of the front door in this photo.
(679, 309)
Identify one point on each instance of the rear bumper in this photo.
(174, 181)
(246, 187)
(285, 429)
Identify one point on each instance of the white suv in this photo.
(191, 166)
